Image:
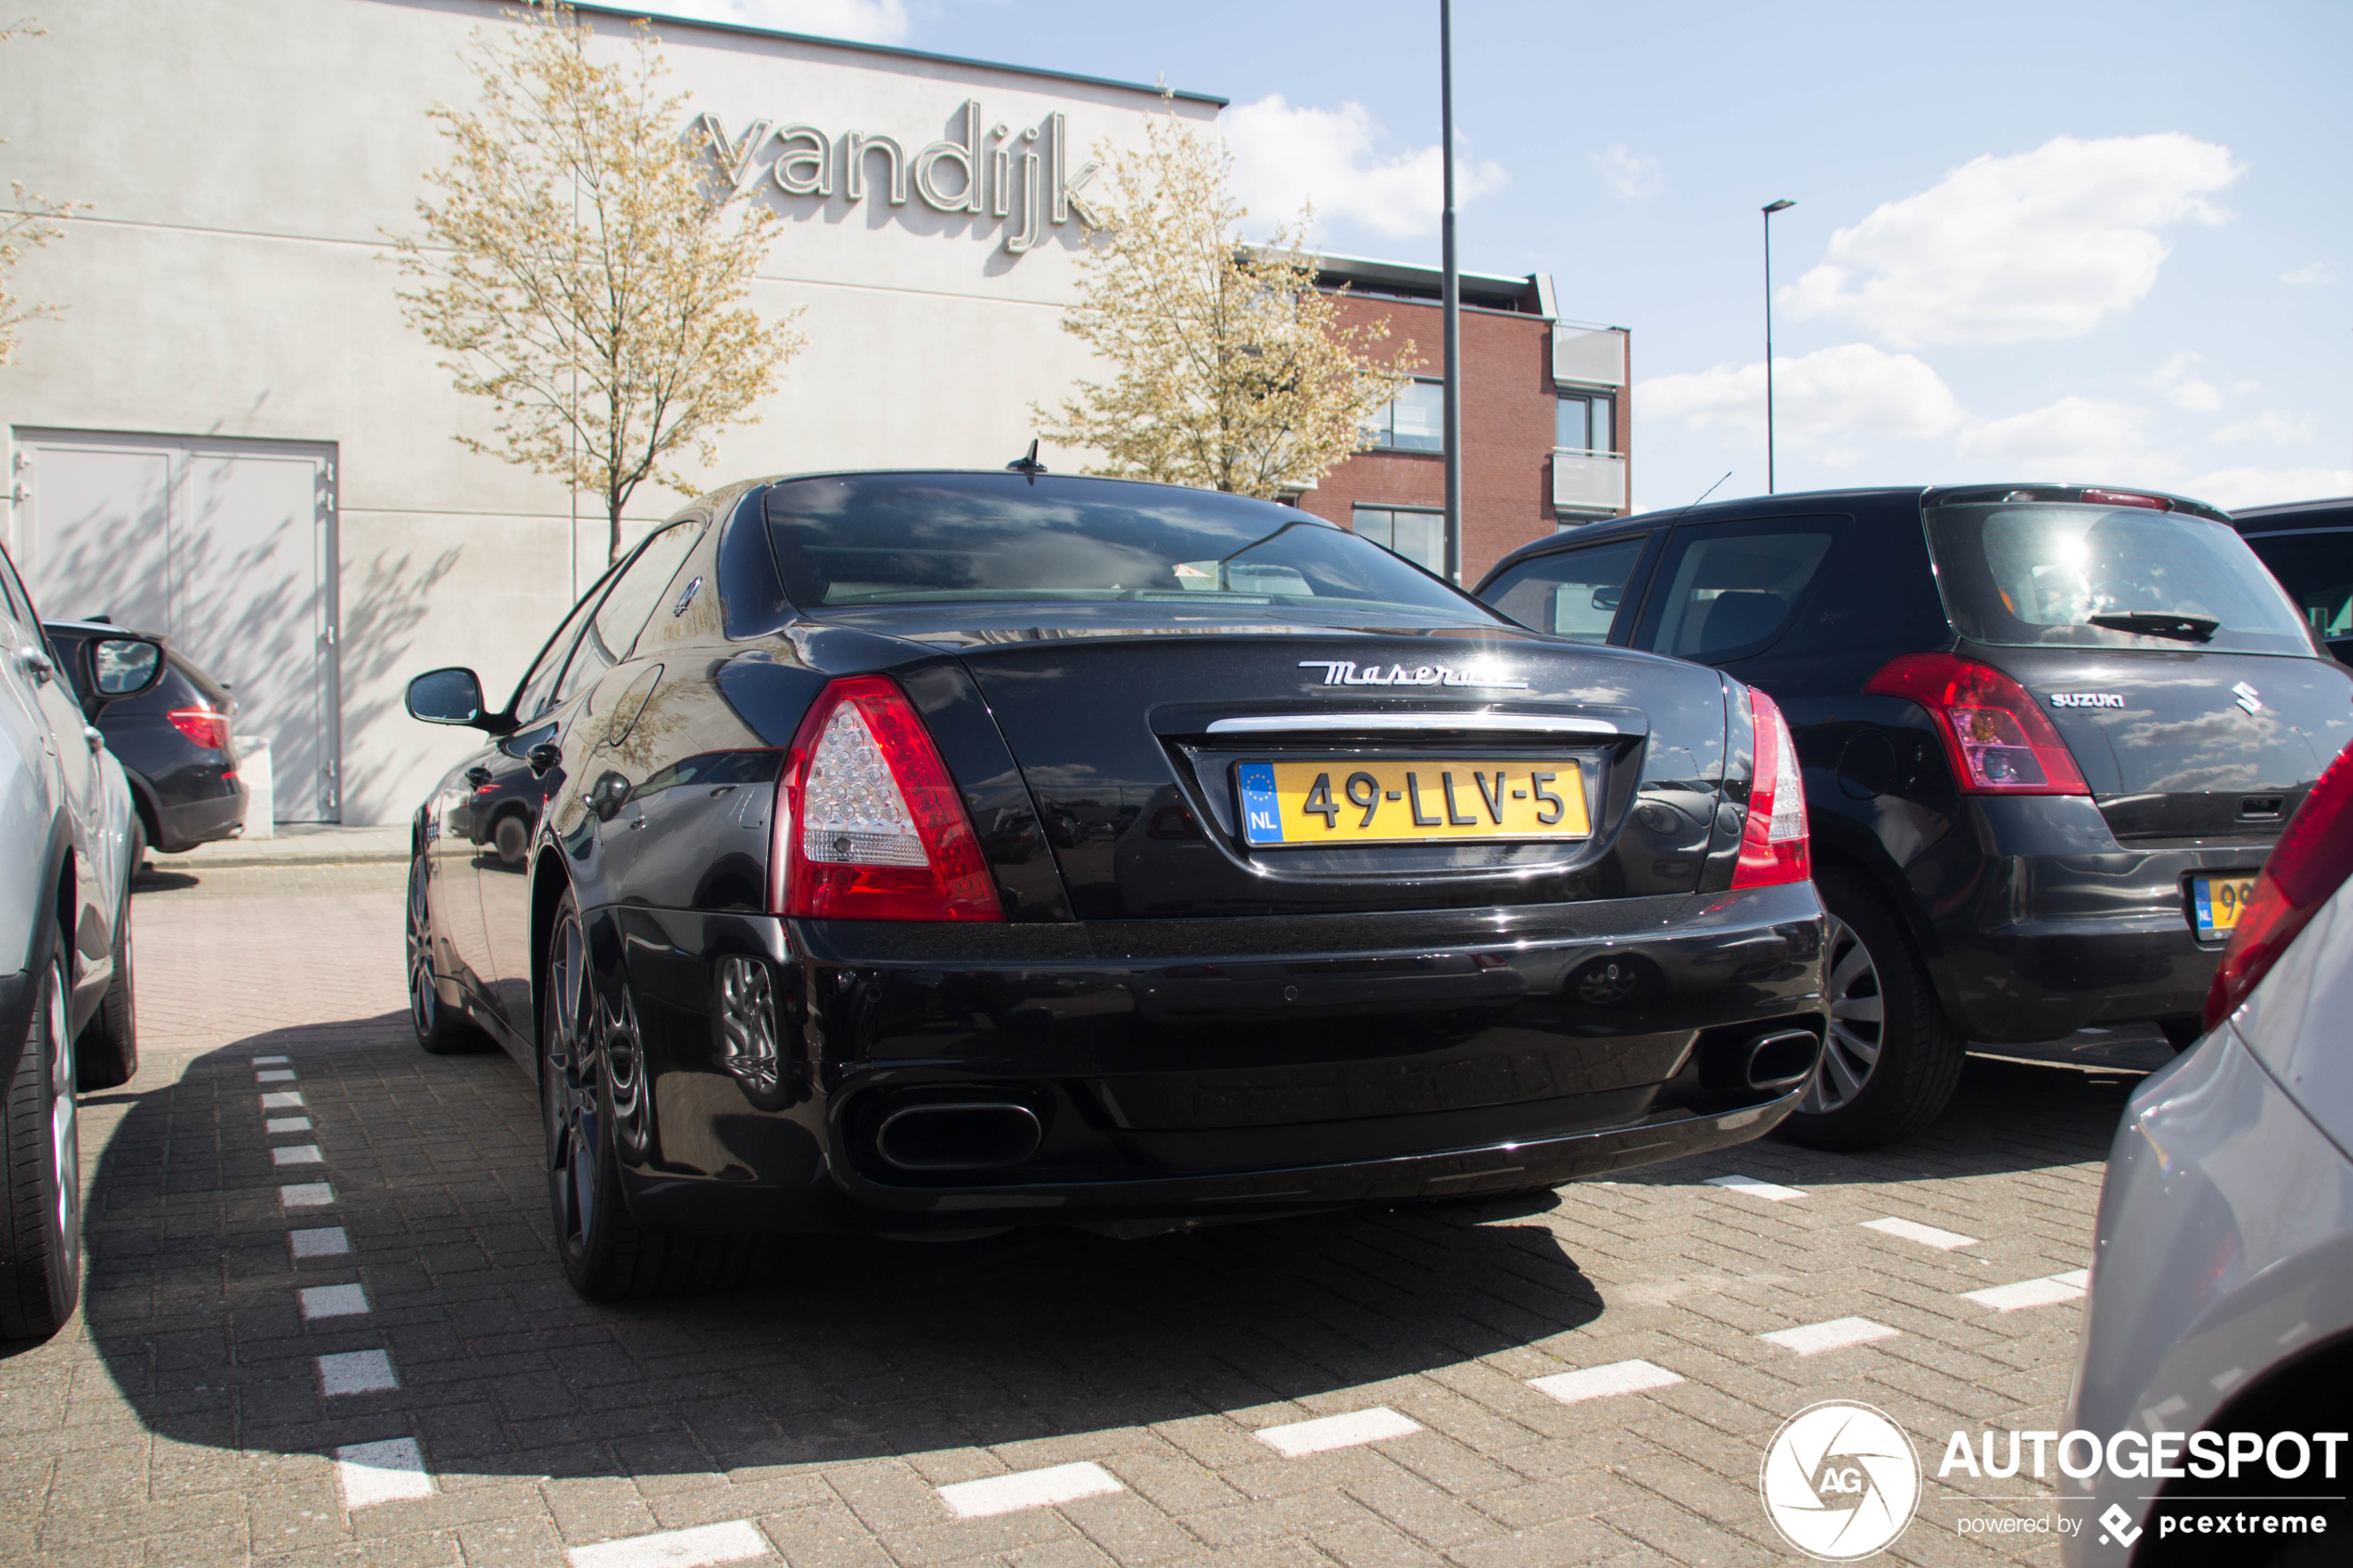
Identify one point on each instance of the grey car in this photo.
(2222, 1289)
(67, 1019)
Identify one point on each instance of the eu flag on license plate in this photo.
(1262, 813)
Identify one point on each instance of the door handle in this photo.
(90, 733)
(478, 776)
(35, 664)
(544, 757)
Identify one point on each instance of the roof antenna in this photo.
(1705, 494)
(1027, 463)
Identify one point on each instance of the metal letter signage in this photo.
(2086, 700)
(1343, 672)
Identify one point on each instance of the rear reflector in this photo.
(1998, 742)
(2310, 863)
(869, 825)
(202, 725)
(1775, 846)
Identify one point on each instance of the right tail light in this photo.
(2306, 866)
(1997, 740)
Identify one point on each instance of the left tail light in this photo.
(202, 725)
(869, 825)
(2308, 865)
(1998, 742)
(1776, 845)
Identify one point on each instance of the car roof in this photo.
(1048, 474)
(2293, 514)
(99, 628)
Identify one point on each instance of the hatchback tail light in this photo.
(869, 825)
(1775, 846)
(1998, 742)
(2308, 865)
(202, 725)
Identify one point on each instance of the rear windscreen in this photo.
(2095, 576)
(2317, 571)
(928, 538)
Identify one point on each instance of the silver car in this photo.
(66, 1022)
(2219, 1340)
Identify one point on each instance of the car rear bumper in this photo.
(1182, 1071)
(186, 823)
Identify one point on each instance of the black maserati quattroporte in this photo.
(940, 851)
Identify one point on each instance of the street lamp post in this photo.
(1450, 299)
(1770, 208)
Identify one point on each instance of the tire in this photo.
(41, 1162)
(2183, 1033)
(107, 1053)
(606, 1254)
(510, 837)
(439, 1031)
(1892, 1058)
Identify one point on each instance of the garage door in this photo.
(227, 547)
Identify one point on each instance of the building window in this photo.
(1413, 420)
(1583, 425)
(1420, 537)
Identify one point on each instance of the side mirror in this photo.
(1609, 598)
(447, 696)
(125, 666)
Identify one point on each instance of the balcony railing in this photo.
(1588, 483)
(1588, 356)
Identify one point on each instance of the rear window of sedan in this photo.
(861, 540)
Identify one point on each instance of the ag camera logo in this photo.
(1840, 1481)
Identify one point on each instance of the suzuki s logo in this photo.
(1344, 673)
(2086, 700)
(1840, 1481)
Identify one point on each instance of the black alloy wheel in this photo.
(439, 1030)
(1891, 1060)
(107, 1053)
(41, 1167)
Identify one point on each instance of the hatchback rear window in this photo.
(2317, 571)
(940, 538)
(2094, 576)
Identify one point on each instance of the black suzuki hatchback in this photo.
(2048, 735)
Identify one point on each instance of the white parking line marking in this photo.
(274, 1076)
(1926, 1236)
(2044, 1292)
(1337, 1431)
(1597, 1382)
(277, 1125)
(306, 1195)
(297, 1154)
(1754, 1188)
(734, 1541)
(1028, 1488)
(269, 1061)
(391, 1471)
(357, 1372)
(325, 1241)
(282, 1100)
(333, 1302)
(1813, 1338)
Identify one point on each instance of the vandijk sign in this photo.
(1021, 176)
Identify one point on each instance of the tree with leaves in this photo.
(586, 270)
(1231, 370)
(30, 223)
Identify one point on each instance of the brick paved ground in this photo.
(181, 1418)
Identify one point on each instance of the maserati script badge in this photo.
(1344, 673)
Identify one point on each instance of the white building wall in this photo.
(243, 162)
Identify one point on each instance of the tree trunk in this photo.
(612, 515)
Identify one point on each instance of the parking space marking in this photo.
(277, 1126)
(1028, 1488)
(333, 1302)
(1598, 1382)
(391, 1471)
(2045, 1292)
(269, 1060)
(1926, 1236)
(283, 1099)
(357, 1372)
(297, 1154)
(736, 1541)
(1813, 1338)
(324, 1241)
(274, 1076)
(306, 1195)
(1754, 1188)
(1315, 1436)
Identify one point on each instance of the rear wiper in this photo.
(2159, 623)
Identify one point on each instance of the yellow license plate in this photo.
(1412, 801)
(2218, 901)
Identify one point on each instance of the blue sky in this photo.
(2091, 242)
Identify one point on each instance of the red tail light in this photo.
(2127, 498)
(202, 725)
(1775, 846)
(1998, 742)
(869, 825)
(2309, 864)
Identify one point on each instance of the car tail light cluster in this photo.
(1997, 740)
(2310, 863)
(1774, 845)
(869, 825)
(202, 725)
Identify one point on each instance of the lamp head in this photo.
(1771, 208)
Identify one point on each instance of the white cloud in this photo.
(1338, 159)
(2305, 277)
(1823, 402)
(2280, 430)
(2075, 438)
(2185, 390)
(1627, 172)
(868, 21)
(2234, 488)
(2034, 245)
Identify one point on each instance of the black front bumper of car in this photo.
(1181, 1071)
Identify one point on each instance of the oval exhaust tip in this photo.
(1783, 1060)
(965, 1136)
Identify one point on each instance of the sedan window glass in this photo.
(628, 605)
(894, 539)
(1575, 594)
(1734, 591)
